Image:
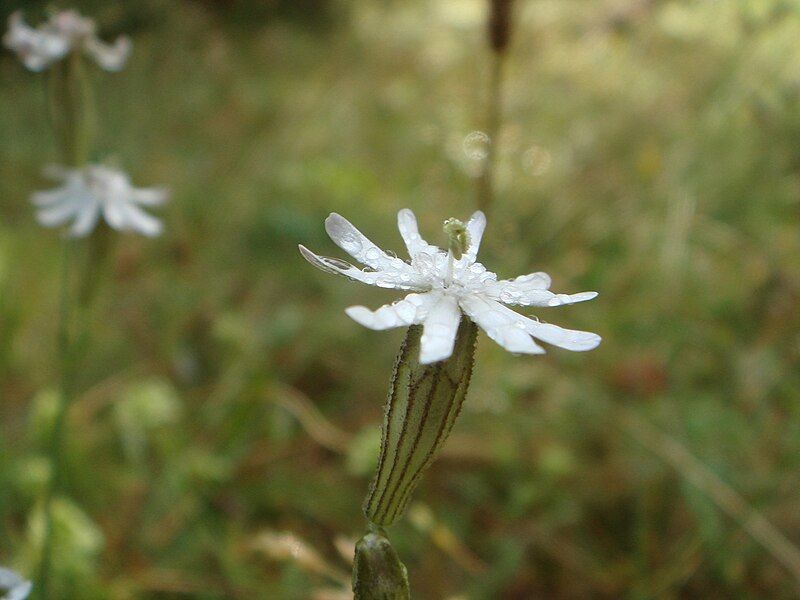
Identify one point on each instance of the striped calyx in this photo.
(423, 403)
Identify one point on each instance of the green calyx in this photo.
(421, 409)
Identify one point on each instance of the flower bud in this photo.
(377, 570)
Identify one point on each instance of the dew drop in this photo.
(350, 243)
(506, 296)
(559, 300)
(405, 311)
(477, 268)
(536, 160)
(476, 145)
(372, 254)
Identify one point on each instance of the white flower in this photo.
(14, 586)
(95, 190)
(444, 287)
(67, 30)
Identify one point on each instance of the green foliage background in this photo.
(650, 150)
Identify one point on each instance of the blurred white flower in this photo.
(64, 31)
(444, 286)
(95, 190)
(12, 586)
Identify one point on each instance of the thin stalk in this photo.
(493, 123)
(70, 114)
(498, 27)
(58, 433)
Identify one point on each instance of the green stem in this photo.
(71, 109)
(58, 433)
(70, 113)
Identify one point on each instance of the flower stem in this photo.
(486, 179)
(55, 447)
(499, 31)
(70, 113)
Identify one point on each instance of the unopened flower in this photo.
(64, 31)
(12, 586)
(443, 287)
(93, 191)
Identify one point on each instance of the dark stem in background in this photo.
(499, 33)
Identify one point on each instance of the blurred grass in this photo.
(649, 151)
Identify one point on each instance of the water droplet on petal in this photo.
(350, 243)
(405, 311)
(559, 300)
(372, 254)
(506, 296)
(477, 268)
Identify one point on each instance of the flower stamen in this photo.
(457, 237)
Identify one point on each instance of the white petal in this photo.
(150, 196)
(532, 281)
(20, 592)
(377, 278)
(50, 197)
(531, 290)
(111, 57)
(475, 227)
(85, 220)
(139, 221)
(58, 213)
(569, 339)
(409, 231)
(411, 310)
(351, 240)
(501, 324)
(114, 213)
(561, 299)
(16, 587)
(36, 48)
(439, 329)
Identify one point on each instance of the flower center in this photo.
(457, 237)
